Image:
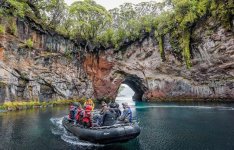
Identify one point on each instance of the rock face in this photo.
(51, 70)
(57, 68)
(141, 67)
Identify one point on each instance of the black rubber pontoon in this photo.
(103, 135)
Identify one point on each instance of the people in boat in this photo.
(106, 117)
(115, 107)
(104, 108)
(89, 102)
(109, 117)
(126, 116)
(97, 118)
(113, 104)
(73, 110)
(79, 114)
(87, 116)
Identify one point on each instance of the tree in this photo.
(88, 20)
(51, 12)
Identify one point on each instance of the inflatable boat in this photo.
(105, 134)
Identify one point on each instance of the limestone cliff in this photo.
(51, 70)
(58, 68)
(141, 67)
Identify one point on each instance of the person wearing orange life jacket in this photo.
(87, 116)
(89, 102)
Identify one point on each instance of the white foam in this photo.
(66, 136)
(75, 141)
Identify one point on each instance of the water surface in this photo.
(164, 126)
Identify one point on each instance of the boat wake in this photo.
(194, 107)
(68, 137)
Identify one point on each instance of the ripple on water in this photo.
(68, 137)
(194, 107)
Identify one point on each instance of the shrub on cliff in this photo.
(29, 43)
(12, 26)
(2, 29)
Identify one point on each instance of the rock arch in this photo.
(106, 79)
(137, 85)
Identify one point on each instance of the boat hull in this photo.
(103, 135)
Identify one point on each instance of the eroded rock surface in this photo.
(51, 70)
(210, 78)
(57, 68)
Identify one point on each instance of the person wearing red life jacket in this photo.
(79, 114)
(87, 116)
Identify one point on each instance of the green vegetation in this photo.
(185, 44)
(95, 27)
(18, 105)
(29, 43)
(89, 19)
(68, 55)
(2, 29)
(12, 27)
(161, 47)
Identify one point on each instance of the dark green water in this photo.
(164, 127)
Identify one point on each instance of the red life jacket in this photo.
(78, 114)
(87, 114)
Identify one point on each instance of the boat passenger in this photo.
(89, 102)
(109, 117)
(79, 114)
(87, 116)
(115, 107)
(72, 110)
(104, 108)
(113, 104)
(126, 117)
(97, 119)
